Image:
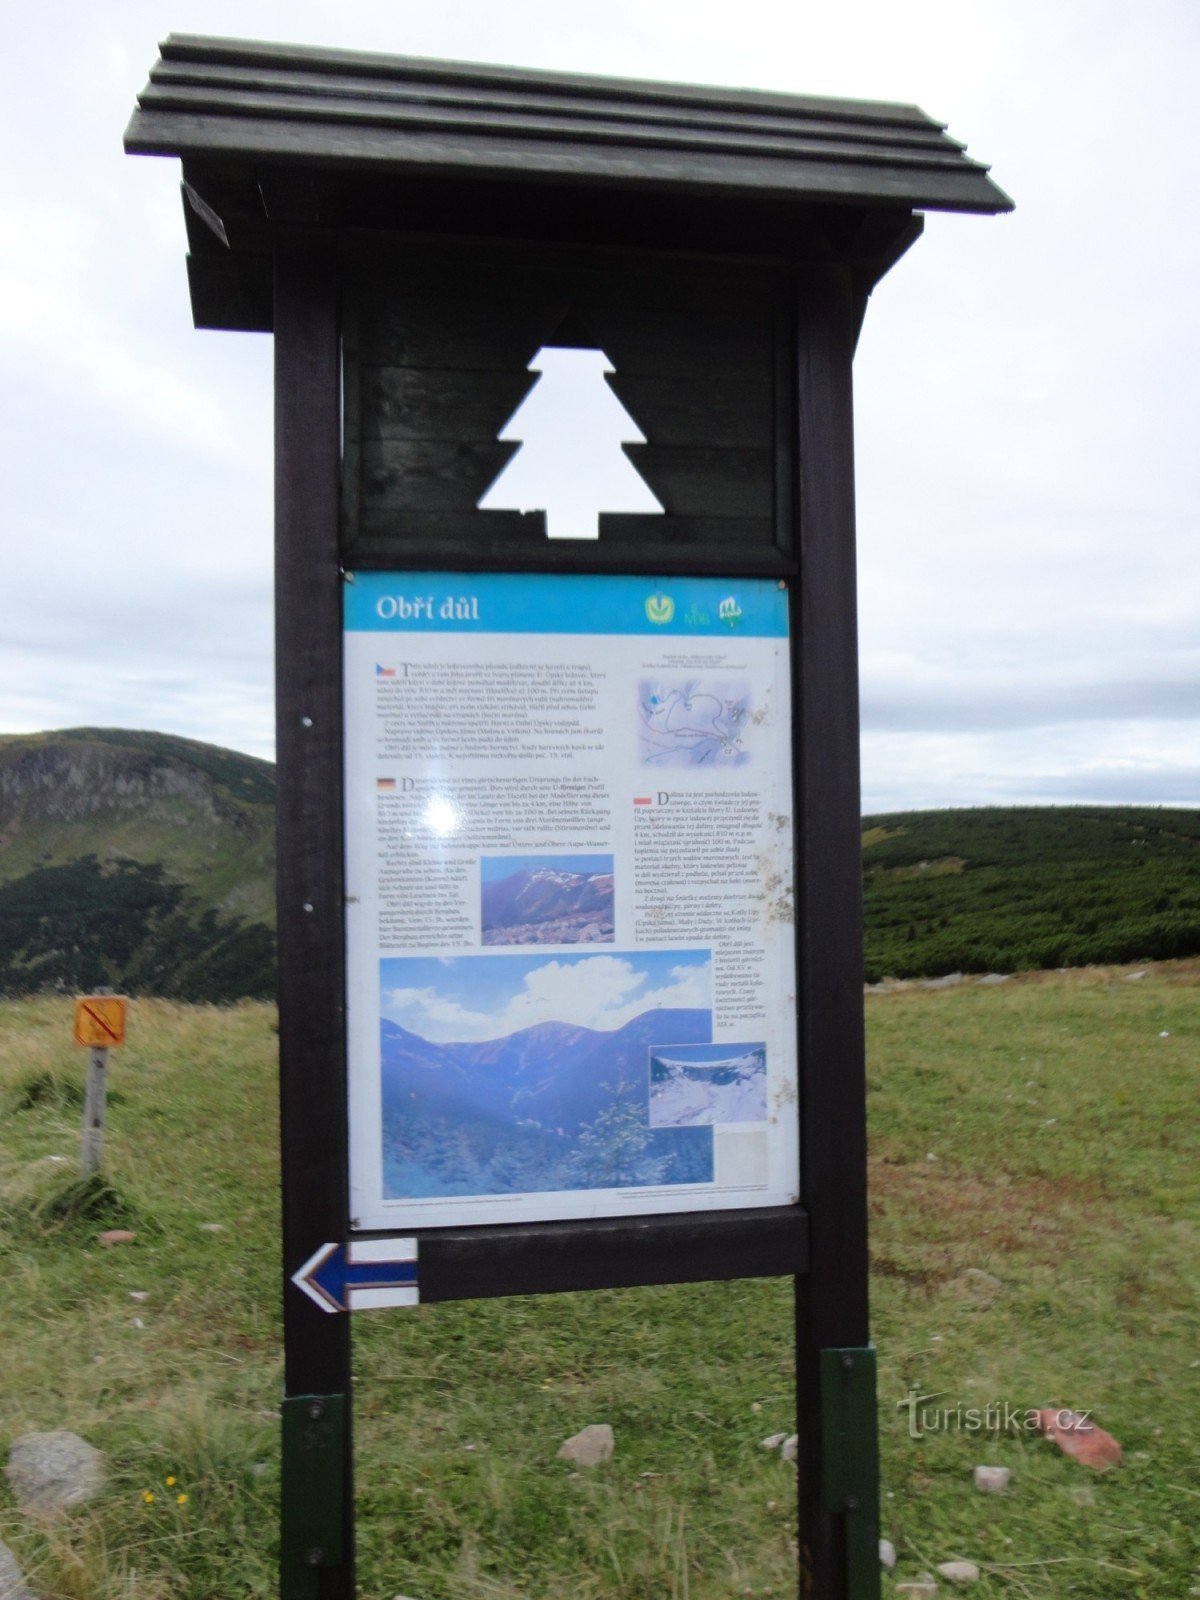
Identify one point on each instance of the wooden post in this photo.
(832, 1311)
(93, 1111)
(317, 1554)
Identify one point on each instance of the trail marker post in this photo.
(99, 1027)
(568, 782)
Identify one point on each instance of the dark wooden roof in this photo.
(232, 99)
(271, 133)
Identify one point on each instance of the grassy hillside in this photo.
(136, 860)
(1035, 1190)
(146, 862)
(1019, 888)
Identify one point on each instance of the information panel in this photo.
(570, 945)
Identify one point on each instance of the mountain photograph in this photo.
(546, 900)
(551, 1105)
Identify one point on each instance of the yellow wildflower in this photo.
(170, 1482)
(147, 1497)
(181, 1499)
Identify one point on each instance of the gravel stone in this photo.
(590, 1446)
(49, 1471)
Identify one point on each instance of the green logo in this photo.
(730, 612)
(660, 608)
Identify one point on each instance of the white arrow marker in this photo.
(364, 1275)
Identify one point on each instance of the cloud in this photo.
(600, 992)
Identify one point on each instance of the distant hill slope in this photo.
(135, 860)
(1009, 889)
(146, 862)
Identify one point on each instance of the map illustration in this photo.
(692, 723)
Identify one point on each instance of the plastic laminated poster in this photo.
(569, 875)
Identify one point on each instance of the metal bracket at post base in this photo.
(850, 1462)
(313, 1469)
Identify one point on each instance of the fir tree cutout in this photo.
(570, 428)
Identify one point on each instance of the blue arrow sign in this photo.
(362, 1275)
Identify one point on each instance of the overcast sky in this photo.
(1026, 386)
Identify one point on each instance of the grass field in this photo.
(1035, 1199)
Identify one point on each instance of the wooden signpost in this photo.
(99, 1027)
(569, 899)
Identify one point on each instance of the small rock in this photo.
(950, 981)
(790, 1447)
(212, 1227)
(773, 1441)
(48, 1471)
(257, 1469)
(1164, 1034)
(994, 977)
(1132, 977)
(590, 1446)
(887, 1555)
(1076, 1435)
(139, 1294)
(993, 1480)
(922, 1588)
(113, 1236)
(959, 1571)
(12, 1579)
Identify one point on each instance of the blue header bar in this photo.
(509, 602)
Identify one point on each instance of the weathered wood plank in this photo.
(441, 475)
(717, 414)
(495, 334)
(414, 403)
(694, 481)
(384, 536)
(282, 80)
(424, 152)
(197, 48)
(275, 105)
(429, 474)
(555, 1258)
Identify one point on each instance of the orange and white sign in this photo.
(100, 1020)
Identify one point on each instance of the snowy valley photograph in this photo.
(521, 1074)
(697, 1085)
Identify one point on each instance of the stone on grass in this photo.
(982, 1282)
(992, 1480)
(212, 1227)
(959, 1571)
(112, 1236)
(12, 1579)
(887, 1555)
(951, 980)
(773, 1441)
(922, 1588)
(1076, 1435)
(994, 977)
(590, 1446)
(790, 1447)
(49, 1471)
